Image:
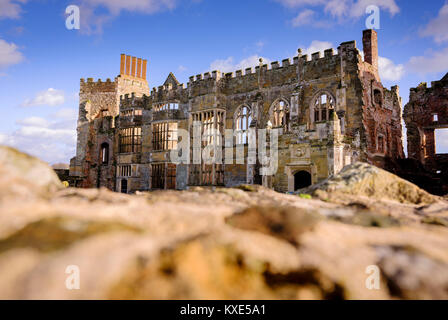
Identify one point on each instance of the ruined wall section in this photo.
(426, 111)
(381, 138)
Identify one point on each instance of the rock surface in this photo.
(240, 243)
(362, 179)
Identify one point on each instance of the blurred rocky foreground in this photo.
(242, 243)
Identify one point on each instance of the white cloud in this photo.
(432, 62)
(66, 114)
(260, 44)
(358, 8)
(438, 27)
(9, 54)
(34, 121)
(92, 22)
(49, 97)
(51, 141)
(229, 65)
(339, 9)
(307, 17)
(389, 70)
(317, 46)
(11, 8)
(182, 68)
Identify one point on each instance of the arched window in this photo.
(104, 153)
(243, 118)
(323, 107)
(280, 115)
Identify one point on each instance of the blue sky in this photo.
(41, 61)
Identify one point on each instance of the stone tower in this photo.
(102, 100)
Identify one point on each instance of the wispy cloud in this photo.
(431, 62)
(11, 9)
(339, 10)
(9, 54)
(182, 68)
(389, 70)
(438, 27)
(317, 46)
(229, 64)
(92, 22)
(53, 140)
(308, 17)
(49, 97)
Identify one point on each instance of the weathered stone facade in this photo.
(329, 110)
(427, 111)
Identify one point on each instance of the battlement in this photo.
(97, 86)
(275, 66)
(133, 101)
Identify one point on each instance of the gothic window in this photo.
(323, 107)
(280, 115)
(130, 140)
(104, 153)
(212, 128)
(243, 118)
(164, 136)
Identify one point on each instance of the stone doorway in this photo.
(302, 179)
(124, 186)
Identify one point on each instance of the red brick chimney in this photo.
(370, 46)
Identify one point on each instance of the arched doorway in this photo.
(302, 179)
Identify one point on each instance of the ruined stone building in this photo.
(330, 110)
(426, 112)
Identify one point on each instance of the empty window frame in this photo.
(125, 171)
(243, 119)
(435, 117)
(165, 106)
(130, 140)
(164, 136)
(380, 144)
(212, 126)
(131, 112)
(104, 153)
(158, 176)
(323, 107)
(171, 176)
(280, 115)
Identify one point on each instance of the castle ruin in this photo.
(328, 111)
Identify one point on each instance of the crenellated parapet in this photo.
(92, 86)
